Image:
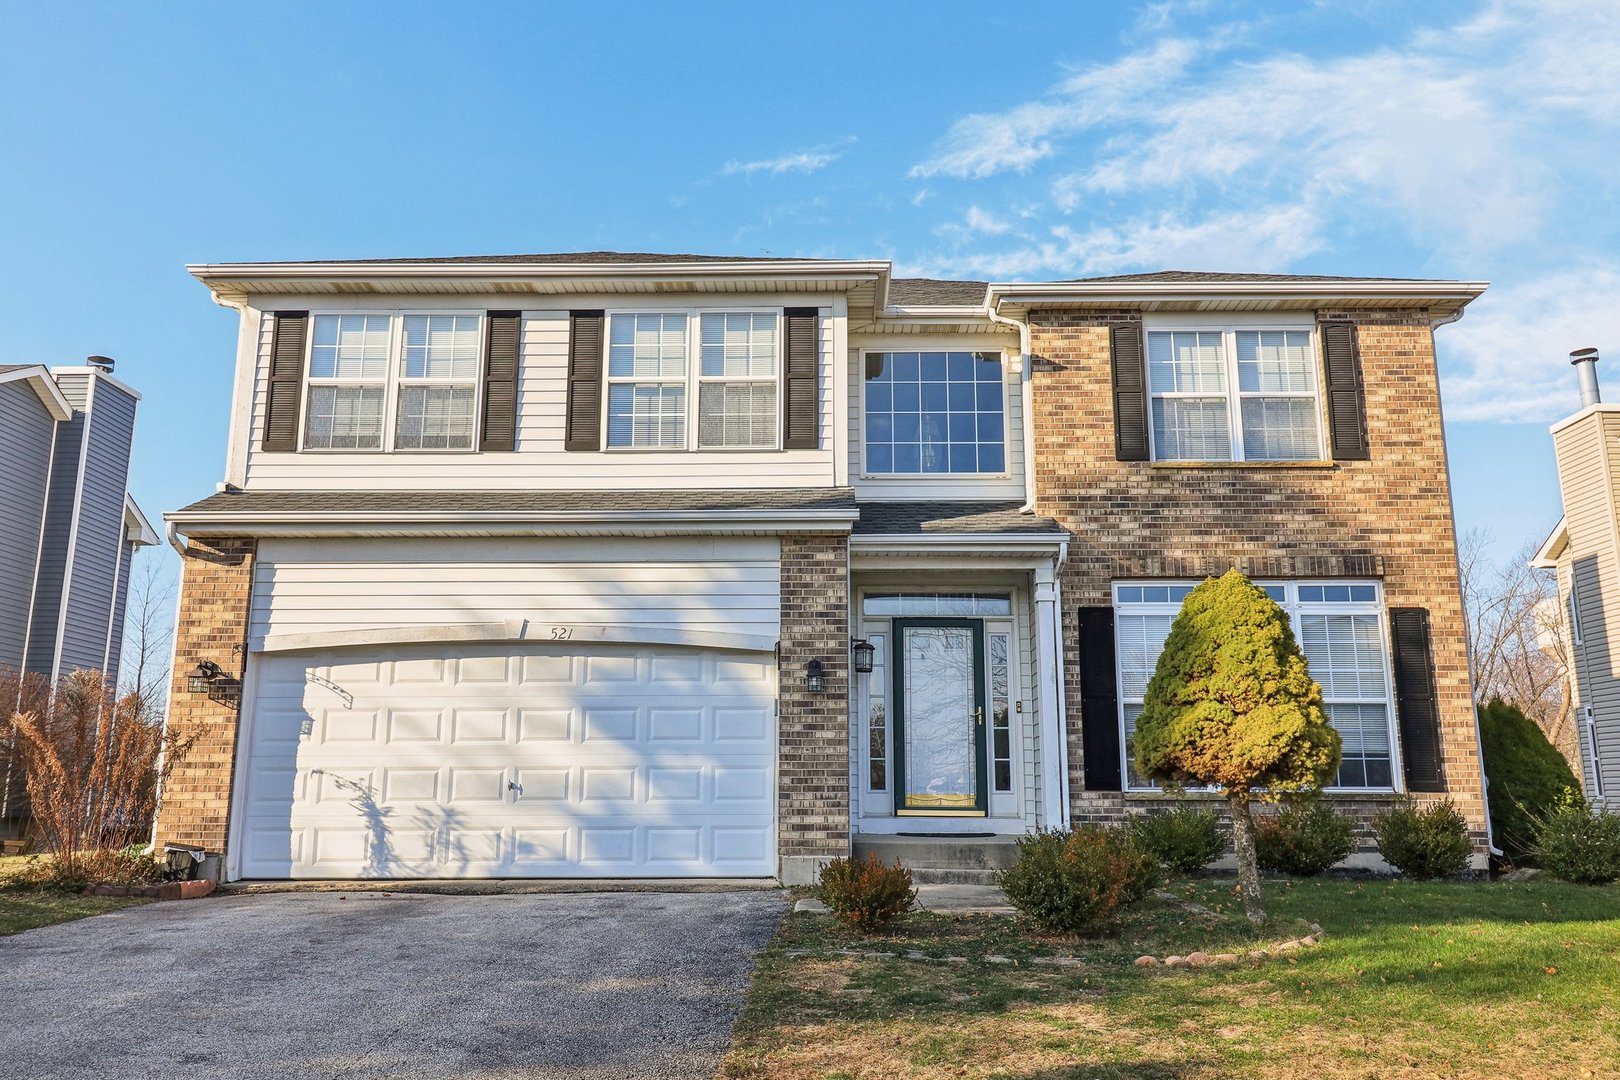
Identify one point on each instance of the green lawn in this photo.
(1455, 980)
(21, 911)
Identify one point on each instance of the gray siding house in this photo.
(68, 528)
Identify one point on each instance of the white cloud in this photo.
(816, 157)
(1508, 359)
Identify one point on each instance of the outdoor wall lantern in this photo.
(199, 680)
(814, 671)
(863, 652)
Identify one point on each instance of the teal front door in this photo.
(938, 667)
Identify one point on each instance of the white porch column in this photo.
(1054, 745)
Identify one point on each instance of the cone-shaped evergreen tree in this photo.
(1232, 705)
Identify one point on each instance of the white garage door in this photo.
(510, 761)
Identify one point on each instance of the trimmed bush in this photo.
(1072, 882)
(1423, 843)
(1527, 776)
(1579, 843)
(1303, 839)
(867, 895)
(1185, 839)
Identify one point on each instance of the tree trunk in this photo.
(1248, 869)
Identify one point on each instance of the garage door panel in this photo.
(637, 760)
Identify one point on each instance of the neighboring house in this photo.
(1584, 550)
(68, 527)
(565, 565)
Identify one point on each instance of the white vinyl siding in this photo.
(1233, 395)
(540, 459)
(329, 586)
(1339, 627)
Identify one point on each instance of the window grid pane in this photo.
(344, 418)
(738, 344)
(1279, 429)
(350, 347)
(435, 418)
(1186, 362)
(877, 721)
(1273, 361)
(647, 347)
(1000, 715)
(440, 347)
(649, 415)
(1191, 429)
(934, 412)
(737, 414)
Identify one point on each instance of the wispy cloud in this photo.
(802, 161)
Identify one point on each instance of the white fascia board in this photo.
(1585, 411)
(98, 373)
(137, 530)
(1056, 294)
(1548, 554)
(50, 395)
(960, 544)
(575, 523)
(515, 630)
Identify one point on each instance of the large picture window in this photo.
(1340, 629)
(934, 412)
(1233, 395)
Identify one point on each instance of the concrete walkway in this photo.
(360, 984)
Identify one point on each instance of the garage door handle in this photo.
(512, 787)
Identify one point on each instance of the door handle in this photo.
(978, 715)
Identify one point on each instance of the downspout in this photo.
(1468, 642)
(1027, 397)
(1062, 688)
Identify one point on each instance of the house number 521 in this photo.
(561, 633)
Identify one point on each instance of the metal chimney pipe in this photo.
(1585, 361)
(105, 363)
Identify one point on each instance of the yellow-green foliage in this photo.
(1231, 702)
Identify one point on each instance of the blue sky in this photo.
(1468, 139)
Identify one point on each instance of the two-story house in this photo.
(625, 565)
(1584, 551)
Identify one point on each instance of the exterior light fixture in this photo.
(863, 651)
(814, 671)
(200, 678)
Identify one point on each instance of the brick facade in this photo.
(813, 822)
(1389, 517)
(215, 587)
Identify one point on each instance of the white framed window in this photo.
(1234, 394)
(377, 380)
(1341, 628)
(933, 411)
(656, 394)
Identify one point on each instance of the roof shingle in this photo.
(923, 518)
(336, 504)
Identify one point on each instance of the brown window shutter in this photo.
(503, 335)
(1099, 699)
(1346, 398)
(801, 406)
(1130, 394)
(1416, 706)
(584, 423)
(284, 396)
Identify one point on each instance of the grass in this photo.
(21, 911)
(1440, 979)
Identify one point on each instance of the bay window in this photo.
(1233, 395)
(1340, 629)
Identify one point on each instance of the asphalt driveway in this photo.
(311, 984)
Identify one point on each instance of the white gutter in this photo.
(1027, 397)
(327, 271)
(1057, 293)
(485, 523)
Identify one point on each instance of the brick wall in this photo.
(813, 822)
(216, 580)
(1389, 517)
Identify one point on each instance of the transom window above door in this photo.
(409, 382)
(934, 412)
(1233, 395)
(656, 395)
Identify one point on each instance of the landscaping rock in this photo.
(1146, 961)
(997, 960)
(811, 904)
(1198, 959)
(1309, 941)
(1259, 954)
(1175, 961)
(1226, 958)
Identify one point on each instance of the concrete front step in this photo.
(942, 859)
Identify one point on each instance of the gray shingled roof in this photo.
(14, 367)
(921, 292)
(335, 504)
(919, 518)
(1207, 276)
(571, 258)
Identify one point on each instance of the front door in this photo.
(939, 717)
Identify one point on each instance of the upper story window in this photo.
(934, 412)
(425, 365)
(1340, 628)
(650, 398)
(1233, 395)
